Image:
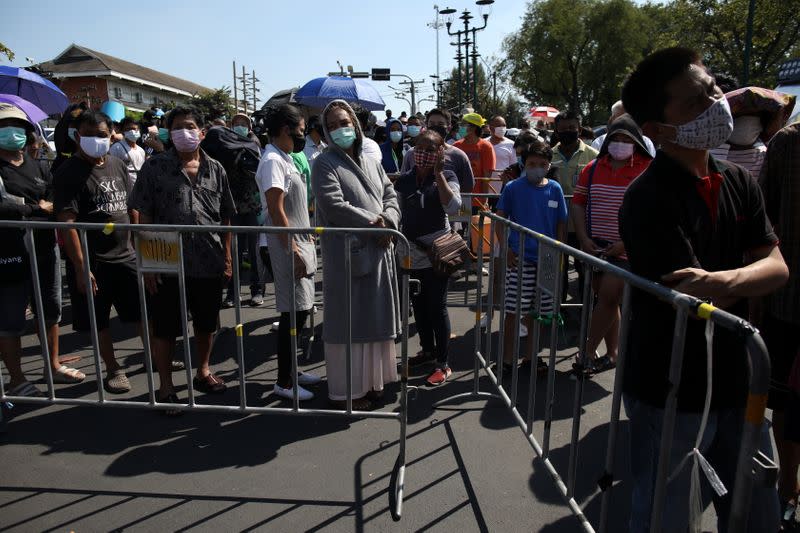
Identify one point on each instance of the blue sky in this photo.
(286, 43)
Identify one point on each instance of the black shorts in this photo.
(783, 344)
(203, 298)
(117, 286)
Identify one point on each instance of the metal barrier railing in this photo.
(165, 246)
(552, 254)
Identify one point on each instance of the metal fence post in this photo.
(239, 328)
(37, 295)
(670, 414)
(185, 322)
(87, 267)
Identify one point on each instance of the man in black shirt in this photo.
(93, 187)
(699, 226)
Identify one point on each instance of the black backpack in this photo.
(240, 157)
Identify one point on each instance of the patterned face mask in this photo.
(424, 159)
(708, 130)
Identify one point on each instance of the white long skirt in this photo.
(374, 364)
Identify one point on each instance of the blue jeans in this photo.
(720, 446)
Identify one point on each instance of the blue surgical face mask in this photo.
(71, 133)
(396, 136)
(413, 131)
(241, 130)
(163, 134)
(462, 132)
(12, 138)
(344, 137)
(534, 175)
(520, 162)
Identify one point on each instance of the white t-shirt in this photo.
(133, 157)
(750, 158)
(504, 154)
(273, 172)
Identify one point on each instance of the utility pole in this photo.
(436, 24)
(255, 98)
(235, 96)
(413, 83)
(244, 89)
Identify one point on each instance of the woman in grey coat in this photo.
(354, 191)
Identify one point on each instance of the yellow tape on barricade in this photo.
(239, 330)
(704, 311)
(319, 230)
(109, 228)
(293, 332)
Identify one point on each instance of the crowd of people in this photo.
(690, 186)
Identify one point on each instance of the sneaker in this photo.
(176, 365)
(421, 358)
(228, 302)
(117, 382)
(307, 378)
(257, 300)
(484, 271)
(484, 321)
(275, 326)
(523, 330)
(287, 394)
(439, 376)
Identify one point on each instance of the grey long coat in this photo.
(352, 194)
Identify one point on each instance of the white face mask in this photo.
(621, 151)
(95, 147)
(500, 132)
(746, 130)
(708, 130)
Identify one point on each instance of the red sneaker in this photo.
(439, 376)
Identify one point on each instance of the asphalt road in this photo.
(469, 466)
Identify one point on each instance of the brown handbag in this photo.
(447, 253)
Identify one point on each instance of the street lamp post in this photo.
(484, 7)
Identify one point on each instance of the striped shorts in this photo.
(528, 291)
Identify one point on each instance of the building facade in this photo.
(86, 75)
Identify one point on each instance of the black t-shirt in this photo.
(666, 226)
(421, 208)
(97, 194)
(31, 181)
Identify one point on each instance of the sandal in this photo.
(209, 384)
(602, 364)
(65, 374)
(171, 398)
(359, 404)
(26, 389)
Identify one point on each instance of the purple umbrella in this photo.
(34, 113)
(33, 88)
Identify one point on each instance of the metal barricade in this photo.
(552, 256)
(160, 251)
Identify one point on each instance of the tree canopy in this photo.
(575, 54)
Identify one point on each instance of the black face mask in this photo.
(567, 137)
(441, 130)
(299, 143)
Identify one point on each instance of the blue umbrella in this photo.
(33, 88)
(319, 92)
(34, 113)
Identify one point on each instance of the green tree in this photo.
(8, 52)
(717, 28)
(214, 103)
(575, 54)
